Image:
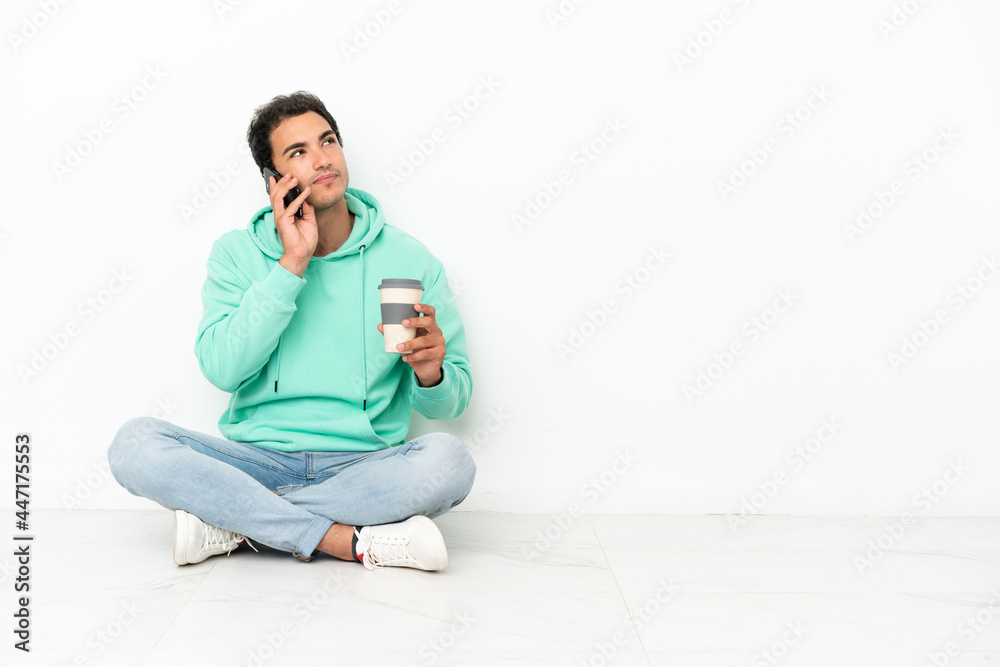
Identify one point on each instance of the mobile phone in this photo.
(292, 194)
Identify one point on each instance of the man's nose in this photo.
(322, 162)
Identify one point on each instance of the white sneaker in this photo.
(195, 540)
(416, 542)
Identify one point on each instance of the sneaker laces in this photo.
(220, 537)
(380, 551)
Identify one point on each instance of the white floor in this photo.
(598, 590)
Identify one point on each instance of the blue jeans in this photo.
(288, 500)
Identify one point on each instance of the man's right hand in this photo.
(299, 236)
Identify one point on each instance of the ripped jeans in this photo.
(288, 500)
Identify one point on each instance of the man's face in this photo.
(306, 147)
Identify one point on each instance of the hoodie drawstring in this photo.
(277, 366)
(364, 329)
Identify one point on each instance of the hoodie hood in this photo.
(368, 222)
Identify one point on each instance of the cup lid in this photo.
(404, 283)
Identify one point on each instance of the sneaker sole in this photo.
(180, 537)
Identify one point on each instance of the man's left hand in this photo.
(425, 353)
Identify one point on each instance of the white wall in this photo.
(525, 290)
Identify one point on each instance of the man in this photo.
(314, 457)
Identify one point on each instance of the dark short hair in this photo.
(270, 115)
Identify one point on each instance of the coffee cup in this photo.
(399, 295)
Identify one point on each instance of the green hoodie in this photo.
(305, 363)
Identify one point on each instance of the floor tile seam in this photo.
(177, 615)
(621, 593)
